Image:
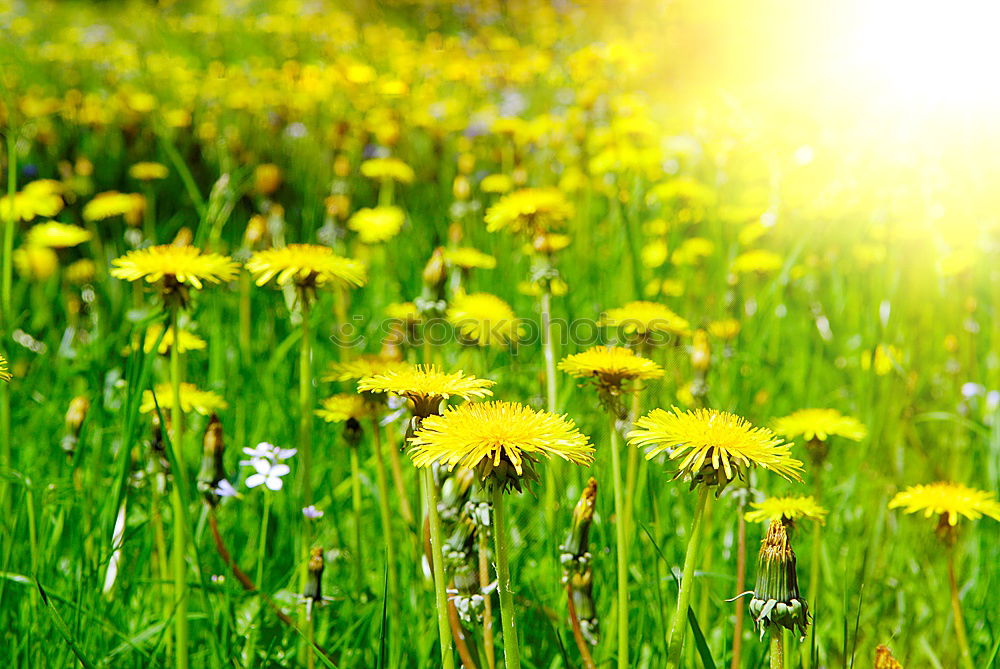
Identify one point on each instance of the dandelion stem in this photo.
(433, 495)
(956, 607)
(622, 541)
(511, 654)
(359, 574)
(180, 533)
(484, 581)
(245, 317)
(8, 231)
(777, 652)
(574, 621)
(678, 626)
(741, 582)
(262, 544)
(815, 575)
(305, 401)
(386, 513)
(550, 398)
(397, 478)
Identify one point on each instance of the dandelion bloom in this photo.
(36, 262)
(307, 265)
(403, 311)
(38, 198)
(725, 329)
(362, 366)
(186, 342)
(469, 258)
(57, 235)
(387, 168)
(148, 171)
(529, 210)
(483, 319)
(949, 500)
(820, 424)
(204, 402)
(377, 225)
(719, 442)
(501, 439)
(641, 317)
(884, 659)
(786, 508)
(4, 371)
(81, 271)
(426, 386)
(757, 260)
(343, 407)
(496, 183)
(112, 203)
(610, 365)
(174, 265)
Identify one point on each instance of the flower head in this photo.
(269, 451)
(148, 171)
(268, 473)
(204, 402)
(343, 407)
(362, 366)
(884, 659)
(726, 328)
(948, 500)
(609, 367)
(530, 211)
(820, 424)
(646, 318)
(4, 371)
(306, 265)
(38, 198)
(312, 513)
(776, 599)
(113, 203)
(500, 440)
(757, 260)
(174, 267)
(467, 257)
(377, 225)
(36, 262)
(387, 168)
(787, 509)
(186, 342)
(426, 386)
(57, 235)
(715, 446)
(483, 319)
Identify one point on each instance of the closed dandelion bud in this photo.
(314, 582)
(184, 237)
(213, 469)
(338, 206)
(266, 178)
(885, 660)
(701, 355)
(776, 599)
(576, 561)
(466, 163)
(255, 230)
(75, 416)
(461, 188)
(435, 271)
(341, 166)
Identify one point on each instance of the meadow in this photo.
(487, 334)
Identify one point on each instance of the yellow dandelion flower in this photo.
(57, 235)
(644, 318)
(727, 328)
(36, 262)
(388, 168)
(81, 271)
(148, 171)
(204, 402)
(715, 445)
(38, 198)
(426, 386)
(786, 508)
(174, 265)
(502, 440)
(306, 265)
(403, 311)
(692, 251)
(886, 358)
(4, 370)
(757, 260)
(820, 424)
(496, 183)
(949, 500)
(377, 225)
(266, 178)
(362, 367)
(343, 407)
(469, 258)
(112, 203)
(530, 210)
(483, 319)
(610, 365)
(884, 659)
(188, 341)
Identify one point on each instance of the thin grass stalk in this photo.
(550, 397)
(678, 625)
(741, 582)
(433, 496)
(305, 400)
(815, 575)
(245, 318)
(396, 466)
(511, 652)
(386, 512)
(777, 648)
(622, 541)
(8, 234)
(956, 608)
(261, 550)
(631, 471)
(484, 581)
(359, 572)
(179, 531)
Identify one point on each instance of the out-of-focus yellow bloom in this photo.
(758, 260)
(204, 402)
(956, 261)
(377, 225)
(57, 235)
(655, 253)
(81, 271)
(496, 183)
(701, 352)
(531, 211)
(672, 287)
(174, 265)
(610, 366)
(343, 407)
(37, 263)
(188, 341)
(557, 287)
(483, 319)
(884, 659)
(361, 367)
(112, 203)
(727, 328)
(469, 258)
(148, 171)
(786, 509)
(886, 358)
(306, 265)
(686, 190)
(820, 424)
(38, 198)
(266, 179)
(4, 371)
(692, 251)
(403, 311)
(643, 317)
(948, 500)
(388, 168)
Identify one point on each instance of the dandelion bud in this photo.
(184, 237)
(255, 230)
(885, 660)
(461, 188)
(436, 271)
(314, 583)
(776, 599)
(213, 469)
(466, 163)
(576, 559)
(701, 354)
(341, 166)
(75, 416)
(267, 178)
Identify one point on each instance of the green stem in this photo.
(386, 512)
(180, 532)
(305, 401)
(678, 626)
(359, 580)
(511, 653)
(8, 230)
(777, 648)
(956, 608)
(815, 575)
(245, 317)
(262, 545)
(550, 401)
(622, 541)
(433, 497)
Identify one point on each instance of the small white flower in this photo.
(266, 451)
(311, 512)
(225, 489)
(267, 473)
